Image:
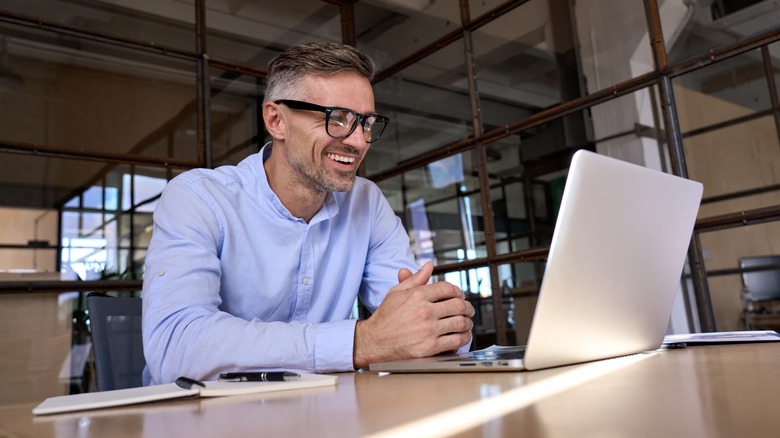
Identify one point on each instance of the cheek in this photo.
(305, 143)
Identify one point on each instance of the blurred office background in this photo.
(103, 101)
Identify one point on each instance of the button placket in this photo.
(305, 283)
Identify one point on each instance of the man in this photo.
(257, 266)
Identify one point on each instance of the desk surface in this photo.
(707, 391)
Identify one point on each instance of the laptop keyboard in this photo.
(498, 354)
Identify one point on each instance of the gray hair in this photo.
(287, 71)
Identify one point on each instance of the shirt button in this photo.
(305, 280)
(160, 272)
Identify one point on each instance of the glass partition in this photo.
(741, 167)
(519, 42)
(162, 22)
(253, 33)
(730, 134)
(693, 28)
(723, 251)
(610, 41)
(40, 182)
(520, 284)
(442, 209)
(108, 239)
(428, 107)
(28, 243)
(236, 117)
(390, 31)
(731, 90)
(89, 96)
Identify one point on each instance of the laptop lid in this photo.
(615, 261)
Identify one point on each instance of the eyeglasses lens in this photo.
(342, 122)
(373, 127)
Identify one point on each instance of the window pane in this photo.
(723, 250)
(612, 41)
(133, 241)
(730, 135)
(518, 68)
(28, 241)
(694, 28)
(253, 33)
(236, 117)
(41, 182)
(88, 245)
(479, 7)
(527, 173)
(520, 284)
(390, 31)
(88, 96)
(477, 286)
(165, 23)
(428, 106)
(93, 197)
(442, 209)
(530, 59)
(738, 160)
(141, 192)
(94, 236)
(730, 89)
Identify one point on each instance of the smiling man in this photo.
(257, 266)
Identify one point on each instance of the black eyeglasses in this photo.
(341, 122)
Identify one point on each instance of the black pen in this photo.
(187, 383)
(260, 376)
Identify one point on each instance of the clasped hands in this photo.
(415, 319)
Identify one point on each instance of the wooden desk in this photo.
(713, 391)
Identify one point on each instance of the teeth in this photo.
(341, 159)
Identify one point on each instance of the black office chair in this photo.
(761, 291)
(117, 345)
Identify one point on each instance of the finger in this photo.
(469, 312)
(452, 307)
(419, 278)
(403, 274)
(442, 291)
(453, 341)
(454, 324)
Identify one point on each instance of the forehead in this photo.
(348, 90)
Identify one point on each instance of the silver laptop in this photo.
(615, 261)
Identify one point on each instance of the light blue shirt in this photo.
(234, 282)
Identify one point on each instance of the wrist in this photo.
(358, 349)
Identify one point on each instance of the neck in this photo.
(297, 196)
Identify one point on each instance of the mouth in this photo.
(341, 159)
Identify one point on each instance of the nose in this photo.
(357, 138)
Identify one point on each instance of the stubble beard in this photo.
(318, 180)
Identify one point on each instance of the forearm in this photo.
(202, 347)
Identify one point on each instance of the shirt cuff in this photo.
(466, 348)
(334, 346)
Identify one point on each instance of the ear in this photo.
(274, 120)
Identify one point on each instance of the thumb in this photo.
(408, 280)
(403, 274)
